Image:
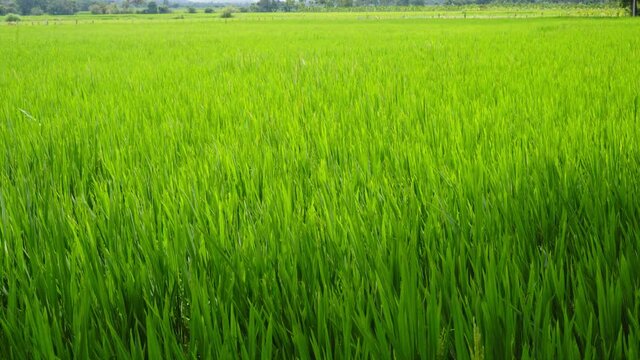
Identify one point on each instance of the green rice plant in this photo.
(320, 186)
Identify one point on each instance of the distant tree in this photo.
(83, 5)
(164, 9)
(112, 9)
(264, 5)
(36, 11)
(227, 12)
(138, 3)
(208, 10)
(97, 9)
(61, 7)
(152, 7)
(631, 5)
(7, 7)
(191, 10)
(25, 6)
(289, 5)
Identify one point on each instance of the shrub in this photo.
(227, 12)
(12, 18)
(163, 9)
(208, 10)
(191, 10)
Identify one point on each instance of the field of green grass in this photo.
(331, 186)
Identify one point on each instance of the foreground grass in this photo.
(326, 188)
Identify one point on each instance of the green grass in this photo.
(324, 187)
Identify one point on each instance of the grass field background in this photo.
(350, 14)
(328, 187)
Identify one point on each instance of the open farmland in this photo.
(337, 186)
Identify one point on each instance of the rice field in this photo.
(333, 186)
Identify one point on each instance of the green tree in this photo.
(25, 6)
(264, 5)
(227, 12)
(137, 3)
(98, 8)
(61, 7)
(152, 7)
(632, 5)
(7, 7)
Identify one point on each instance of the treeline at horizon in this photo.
(70, 7)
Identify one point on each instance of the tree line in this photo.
(68, 7)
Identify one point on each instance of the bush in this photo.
(191, 10)
(12, 18)
(227, 12)
(164, 9)
(208, 10)
(36, 11)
